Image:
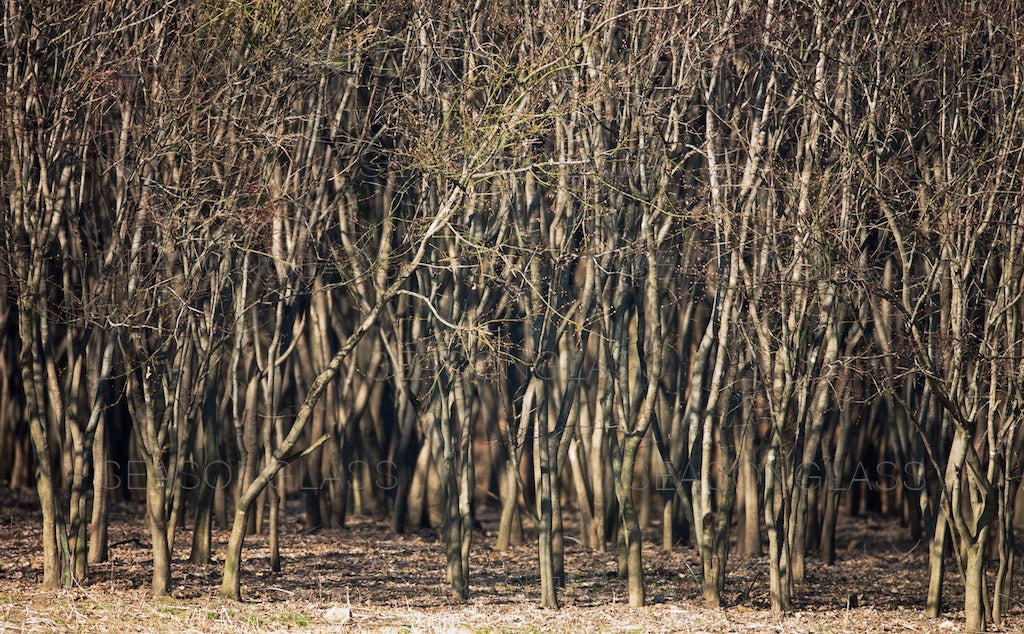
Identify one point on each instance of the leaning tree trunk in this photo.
(231, 582)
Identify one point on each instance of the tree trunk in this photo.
(631, 526)
(542, 454)
(209, 477)
(751, 536)
(780, 574)
(936, 566)
(32, 379)
(155, 501)
(975, 588)
(230, 585)
(1003, 590)
(100, 496)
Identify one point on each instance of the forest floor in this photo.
(364, 578)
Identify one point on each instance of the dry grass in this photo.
(364, 578)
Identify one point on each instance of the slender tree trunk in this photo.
(632, 537)
(780, 574)
(510, 524)
(751, 536)
(936, 566)
(100, 496)
(835, 469)
(1003, 589)
(32, 379)
(545, 482)
(209, 476)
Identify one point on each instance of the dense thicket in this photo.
(720, 266)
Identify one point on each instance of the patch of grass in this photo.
(253, 620)
(295, 618)
(167, 605)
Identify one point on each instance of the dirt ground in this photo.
(364, 578)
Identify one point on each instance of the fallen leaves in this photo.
(365, 578)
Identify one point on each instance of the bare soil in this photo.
(365, 578)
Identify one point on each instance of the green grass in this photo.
(295, 618)
(253, 620)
